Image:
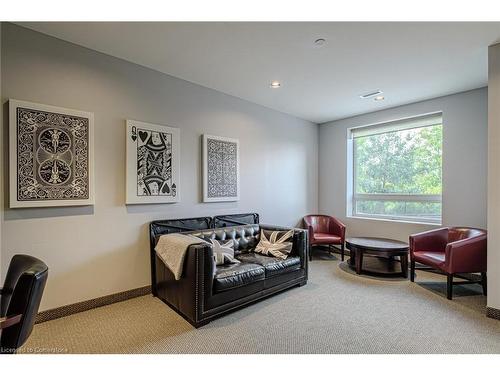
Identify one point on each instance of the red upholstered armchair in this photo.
(325, 230)
(451, 250)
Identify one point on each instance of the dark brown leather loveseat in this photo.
(206, 291)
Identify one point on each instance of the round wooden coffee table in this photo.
(379, 247)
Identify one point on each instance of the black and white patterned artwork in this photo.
(51, 156)
(152, 163)
(220, 169)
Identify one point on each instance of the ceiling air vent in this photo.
(370, 94)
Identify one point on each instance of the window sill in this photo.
(394, 220)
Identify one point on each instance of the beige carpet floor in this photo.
(336, 312)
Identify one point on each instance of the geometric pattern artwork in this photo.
(221, 169)
(52, 163)
(152, 163)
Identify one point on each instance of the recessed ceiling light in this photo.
(379, 98)
(320, 42)
(275, 85)
(371, 94)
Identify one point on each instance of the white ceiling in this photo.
(408, 61)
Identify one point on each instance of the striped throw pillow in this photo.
(276, 244)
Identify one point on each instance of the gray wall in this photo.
(94, 251)
(464, 163)
(494, 177)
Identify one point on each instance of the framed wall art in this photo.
(153, 162)
(221, 169)
(51, 155)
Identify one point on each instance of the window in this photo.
(395, 170)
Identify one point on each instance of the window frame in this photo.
(353, 197)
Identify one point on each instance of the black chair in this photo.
(20, 299)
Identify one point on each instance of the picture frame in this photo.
(221, 168)
(152, 163)
(51, 160)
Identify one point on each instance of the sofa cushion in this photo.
(231, 276)
(273, 266)
(430, 258)
(326, 238)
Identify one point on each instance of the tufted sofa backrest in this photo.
(245, 237)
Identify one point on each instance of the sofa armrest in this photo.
(204, 255)
(187, 295)
(301, 246)
(432, 240)
(310, 233)
(467, 255)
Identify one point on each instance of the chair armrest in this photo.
(338, 227)
(432, 240)
(8, 321)
(467, 255)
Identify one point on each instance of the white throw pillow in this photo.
(279, 244)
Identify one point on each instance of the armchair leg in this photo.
(412, 270)
(342, 251)
(484, 283)
(310, 252)
(449, 286)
